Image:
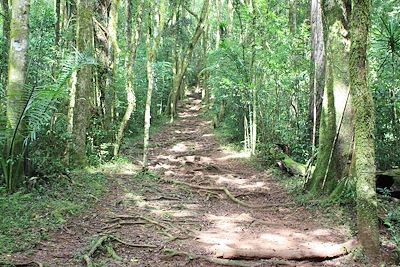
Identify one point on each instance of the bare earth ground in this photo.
(145, 210)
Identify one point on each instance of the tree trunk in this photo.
(184, 62)
(132, 44)
(58, 21)
(364, 154)
(84, 84)
(317, 77)
(5, 43)
(16, 93)
(154, 28)
(293, 15)
(113, 54)
(336, 127)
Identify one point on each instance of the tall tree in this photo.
(364, 154)
(154, 27)
(336, 126)
(16, 93)
(132, 44)
(113, 54)
(84, 83)
(293, 15)
(317, 77)
(5, 42)
(185, 60)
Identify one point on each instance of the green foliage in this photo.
(28, 216)
(39, 106)
(275, 63)
(392, 223)
(385, 61)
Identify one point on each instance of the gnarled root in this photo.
(107, 238)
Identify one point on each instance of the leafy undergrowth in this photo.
(27, 217)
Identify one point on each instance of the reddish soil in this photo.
(149, 210)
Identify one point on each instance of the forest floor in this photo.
(153, 219)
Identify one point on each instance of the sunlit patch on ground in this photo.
(179, 148)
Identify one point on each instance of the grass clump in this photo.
(27, 217)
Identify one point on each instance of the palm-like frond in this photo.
(43, 102)
(39, 103)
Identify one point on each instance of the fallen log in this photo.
(225, 262)
(302, 252)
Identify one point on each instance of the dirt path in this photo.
(146, 210)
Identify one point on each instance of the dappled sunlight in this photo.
(208, 135)
(234, 155)
(254, 186)
(180, 147)
(238, 182)
(116, 168)
(161, 166)
(234, 232)
(169, 213)
(230, 179)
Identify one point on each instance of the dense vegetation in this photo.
(279, 78)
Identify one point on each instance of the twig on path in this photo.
(173, 253)
(103, 239)
(163, 198)
(228, 194)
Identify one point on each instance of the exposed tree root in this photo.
(167, 229)
(316, 252)
(24, 264)
(105, 238)
(173, 253)
(228, 194)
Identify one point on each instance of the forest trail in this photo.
(147, 210)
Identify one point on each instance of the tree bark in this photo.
(317, 77)
(16, 93)
(84, 84)
(364, 154)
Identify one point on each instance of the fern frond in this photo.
(45, 98)
(39, 103)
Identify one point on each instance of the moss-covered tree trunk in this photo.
(364, 154)
(16, 94)
(336, 126)
(84, 83)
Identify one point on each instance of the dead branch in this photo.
(24, 264)
(228, 194)
(162, 198)
(174, 253)
(301, 252)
